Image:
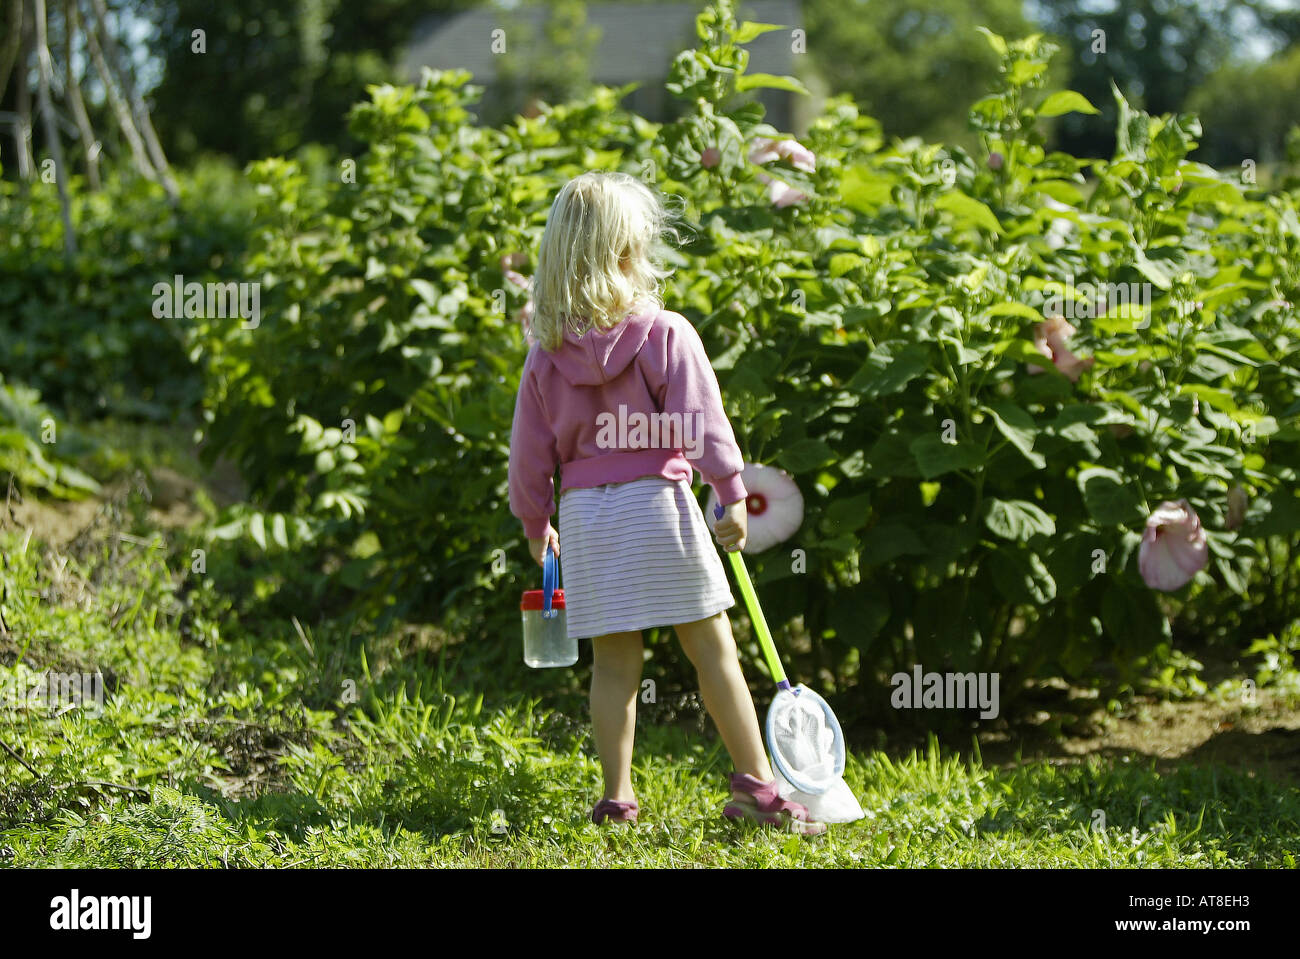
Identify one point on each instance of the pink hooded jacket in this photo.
(610, 406)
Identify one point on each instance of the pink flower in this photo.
(798, 155)
(510, 264)
(774, 506)
(1050, 339)
(995, 161)
(781, 194)
(1237, 503)
(710, 157)
(525, 317)
(1173, 547)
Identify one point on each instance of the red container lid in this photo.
(535, 598)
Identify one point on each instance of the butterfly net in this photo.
(807, 747)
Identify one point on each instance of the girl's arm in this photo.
(691, 389)
(533, 459)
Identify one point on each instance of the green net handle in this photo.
(756, 616)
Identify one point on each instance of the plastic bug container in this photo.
(546, 639)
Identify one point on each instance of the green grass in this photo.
(229, 745)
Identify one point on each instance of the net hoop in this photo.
(805, 696)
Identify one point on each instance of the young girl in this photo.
(619, 393)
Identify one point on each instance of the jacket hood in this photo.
(598, 356)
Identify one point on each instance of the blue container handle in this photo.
(550, 574)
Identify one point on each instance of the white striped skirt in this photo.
(637, 555)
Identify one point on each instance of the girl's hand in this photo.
(733, 528)
(537, 547)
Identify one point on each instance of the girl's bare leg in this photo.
(712, 650)
(615, 680)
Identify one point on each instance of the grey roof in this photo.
(637, 41)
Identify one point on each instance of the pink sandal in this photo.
(615, 811)
(760, 802)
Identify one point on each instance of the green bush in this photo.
(873, 339)
(84, 333)
(383, 425)
(955, 505)
(36, 450)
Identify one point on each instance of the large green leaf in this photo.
(859, 614)
(1017, 519)
(770, 81)
(888, 540)
(1021, 576)
(1281, 515)
(1132, 617)
(1110, 499)
(749, 31)
(970, 210)
(1065, 101)
(864, 191)
(934, 457)
(806, 455)
(889, 368)
(1012, 308)
(1018, 427)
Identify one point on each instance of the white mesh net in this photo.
(808, 753)
(835, 805)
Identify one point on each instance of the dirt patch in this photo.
(252, 752)
(56, 522)
(168, 499)
(1263, 738)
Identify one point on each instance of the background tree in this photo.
(57, 44)
(267, 76)
(910, 64)
(1156, 51)
(550, 62)
(273, 75)
(1248, 110)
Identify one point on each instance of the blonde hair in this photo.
(600, 256)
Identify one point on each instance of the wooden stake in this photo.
(120, 109)
(138, 110)
(46, 75)
(13, 41)
(23, 133)
(72, 90)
